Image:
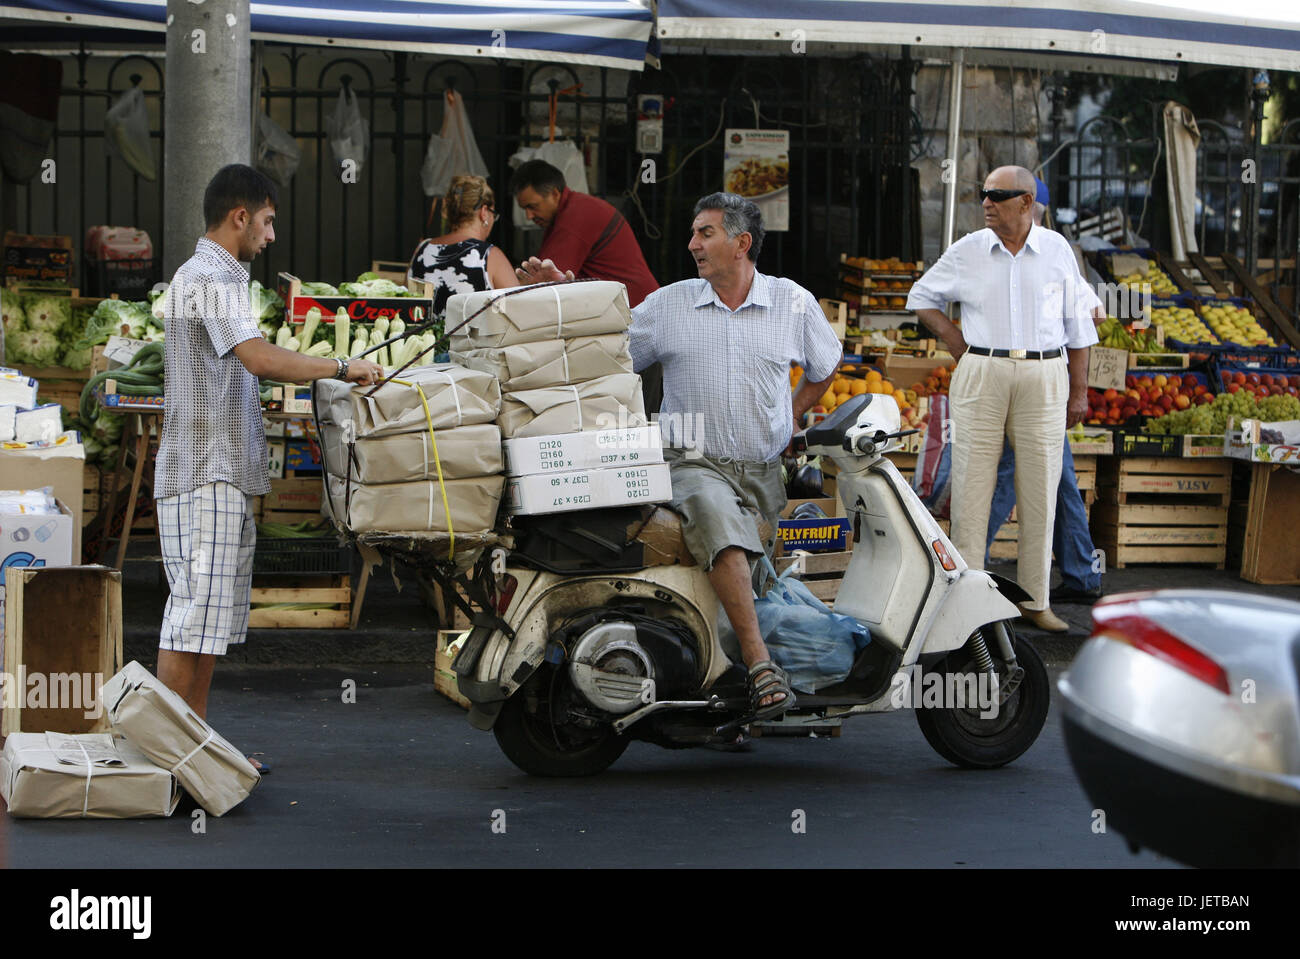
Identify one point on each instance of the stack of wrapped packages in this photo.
(572, 418)
(157, 743)
(421, 454)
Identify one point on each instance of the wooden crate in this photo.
(333, 590)
(1270, 551)
(823, 572)
(1162, 510)
(90, 494)
(61, 621)
(444, 680)
(1006, 542)
(1151, 479)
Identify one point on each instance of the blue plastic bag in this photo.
(814, 645)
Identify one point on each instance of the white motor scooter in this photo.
(578, 657)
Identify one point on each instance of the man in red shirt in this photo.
(584, 234)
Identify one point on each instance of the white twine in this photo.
(190, 754)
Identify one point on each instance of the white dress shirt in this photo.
(727, 372)
(1035, 300)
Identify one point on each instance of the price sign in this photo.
(1107, 368)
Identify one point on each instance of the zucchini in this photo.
(341, 329)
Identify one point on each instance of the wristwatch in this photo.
(342, 373)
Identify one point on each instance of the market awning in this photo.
(607, 33)
(1251, 34)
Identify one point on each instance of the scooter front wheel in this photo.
(978, 736)
(541, 747)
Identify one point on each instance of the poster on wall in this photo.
(756, 165)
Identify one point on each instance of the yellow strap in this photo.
(442, 486)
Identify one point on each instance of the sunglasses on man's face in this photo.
(1000, 196)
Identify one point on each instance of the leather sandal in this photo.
(776, 683)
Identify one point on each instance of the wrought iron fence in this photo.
(851, 189)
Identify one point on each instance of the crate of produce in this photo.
(305, 602)
(1158, 510)
(822, 572)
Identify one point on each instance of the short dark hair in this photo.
(738, 216)
(539, 175)
(237, 186)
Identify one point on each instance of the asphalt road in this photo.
(399, 778)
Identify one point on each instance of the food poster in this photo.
(756, 165)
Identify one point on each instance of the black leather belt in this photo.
(1018, 354)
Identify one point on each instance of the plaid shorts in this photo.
(207, 535)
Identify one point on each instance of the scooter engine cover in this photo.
(610, 668)
(613, 652)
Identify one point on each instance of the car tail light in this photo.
(1120, 622)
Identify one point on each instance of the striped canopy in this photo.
(1262, 34)
(608, 33)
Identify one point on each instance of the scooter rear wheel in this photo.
(965, 738)
(541, 748)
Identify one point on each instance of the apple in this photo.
(1234, 387)
(1176, 382)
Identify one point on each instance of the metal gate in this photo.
(849, 121)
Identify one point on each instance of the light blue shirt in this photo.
(1035, 300)
(727, 372)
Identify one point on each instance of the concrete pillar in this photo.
(206, 112)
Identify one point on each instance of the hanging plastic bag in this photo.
(815, 646)
(561, 154)
(348, 132)
(126, 128)
(278, 154)
(452, 151)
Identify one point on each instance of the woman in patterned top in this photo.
(462, 260)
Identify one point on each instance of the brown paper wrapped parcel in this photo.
(417, 507)
(557, 311)
(610, 402)
(88, 776)
(535, 366)
(456, 397)
(463, 453)
(163, 727)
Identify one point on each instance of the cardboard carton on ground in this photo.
(163, 727)
(91, 776)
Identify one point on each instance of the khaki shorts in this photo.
(720, 503)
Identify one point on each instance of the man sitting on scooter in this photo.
(726, 342)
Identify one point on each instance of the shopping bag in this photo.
(565, 156)
(126, 128)
(348, 131)
(278, 154)
(932, 479)
(815, 646)
(452, 151)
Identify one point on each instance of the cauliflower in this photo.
(48, 313)
(11, 305)
(37, 347)
(77, 358)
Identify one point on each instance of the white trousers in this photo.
(1024, 401)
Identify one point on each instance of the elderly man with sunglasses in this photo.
(1022, 370)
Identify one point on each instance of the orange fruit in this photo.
(828, 399)
(901, 398)
(857, 388)
(840, 385)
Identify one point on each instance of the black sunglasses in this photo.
(1000, 196)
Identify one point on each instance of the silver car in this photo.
(1182, 721)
